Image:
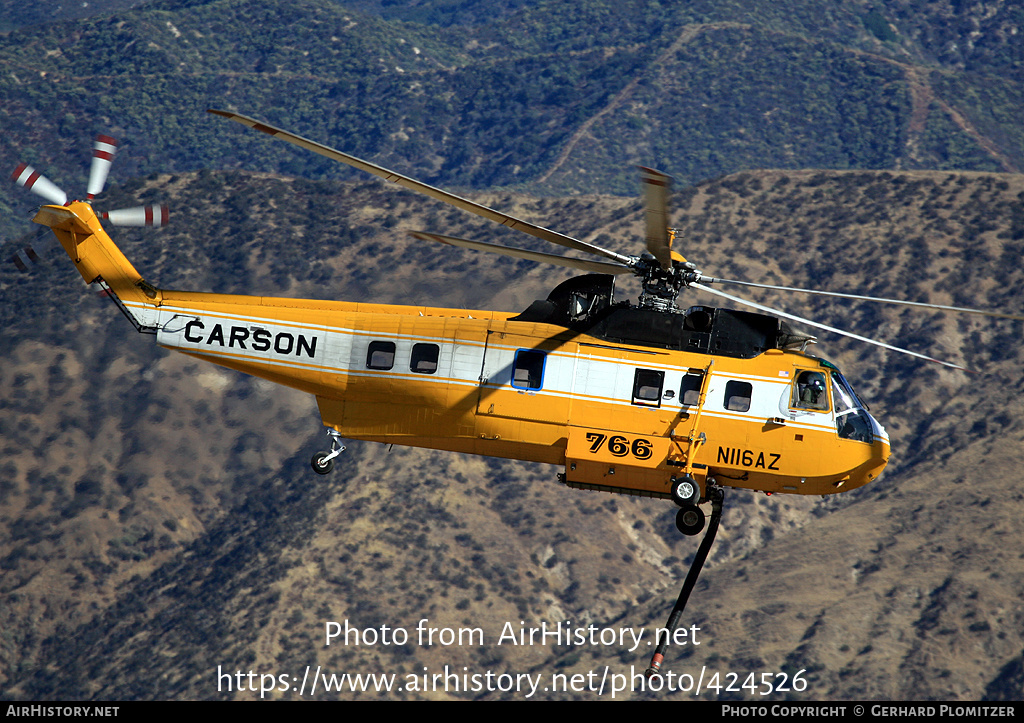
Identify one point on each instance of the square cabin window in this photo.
(528, 369)
(689, 389)
(424, 358)
(380, 355)
(737, 396)
(647, 384)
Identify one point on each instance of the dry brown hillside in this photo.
(159, 521)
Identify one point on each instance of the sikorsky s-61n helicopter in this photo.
(648, 399)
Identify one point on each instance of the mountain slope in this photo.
(560, 97)
(159, 519)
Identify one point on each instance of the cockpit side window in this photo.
(810, 392)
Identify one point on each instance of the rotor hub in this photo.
(661, 286)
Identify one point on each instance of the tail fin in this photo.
(99, 260)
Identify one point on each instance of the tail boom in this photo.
(99, 260)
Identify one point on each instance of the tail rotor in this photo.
(103, 151)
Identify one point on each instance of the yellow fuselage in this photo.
(619, 417)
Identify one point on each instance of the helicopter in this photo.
(651, 399)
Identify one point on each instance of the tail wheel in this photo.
(320, 463)
(685, 491)
(690, 520)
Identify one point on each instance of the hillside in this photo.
(158, 518)
(553, 98)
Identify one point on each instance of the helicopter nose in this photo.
(878, 430)
(879, 455)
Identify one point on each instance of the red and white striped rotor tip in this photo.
(28, 177)
(154, 215)
(31, 254)
(103, 150)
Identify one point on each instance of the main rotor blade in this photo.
(436, 193)
(802, 320)
(940, 307)
(599, 267)
(656, 189)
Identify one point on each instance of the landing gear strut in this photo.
(687, 519)
(323, 462)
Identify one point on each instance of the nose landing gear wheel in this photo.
(690, 520)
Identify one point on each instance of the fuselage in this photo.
(618, 417)
(710, 394)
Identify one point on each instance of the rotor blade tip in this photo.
(654, 176)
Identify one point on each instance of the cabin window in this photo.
(528, 369)
(689, 390)
(737, 396)
(380, 355)
(424, 358)
(647, 384)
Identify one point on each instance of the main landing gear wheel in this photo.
(323, 462)
(690, 520)
(685, 491)
(320, 463)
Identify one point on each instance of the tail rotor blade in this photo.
(19, 262)
(27, 177)
(155, 215)
(31, 253)
(103, 151)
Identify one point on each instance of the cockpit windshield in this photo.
(843, 395)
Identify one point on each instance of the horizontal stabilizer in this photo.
(61, 218)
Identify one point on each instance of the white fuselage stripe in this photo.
(343, 351)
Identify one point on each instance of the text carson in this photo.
(258, 339)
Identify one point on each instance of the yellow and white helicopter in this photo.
(644, 399)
